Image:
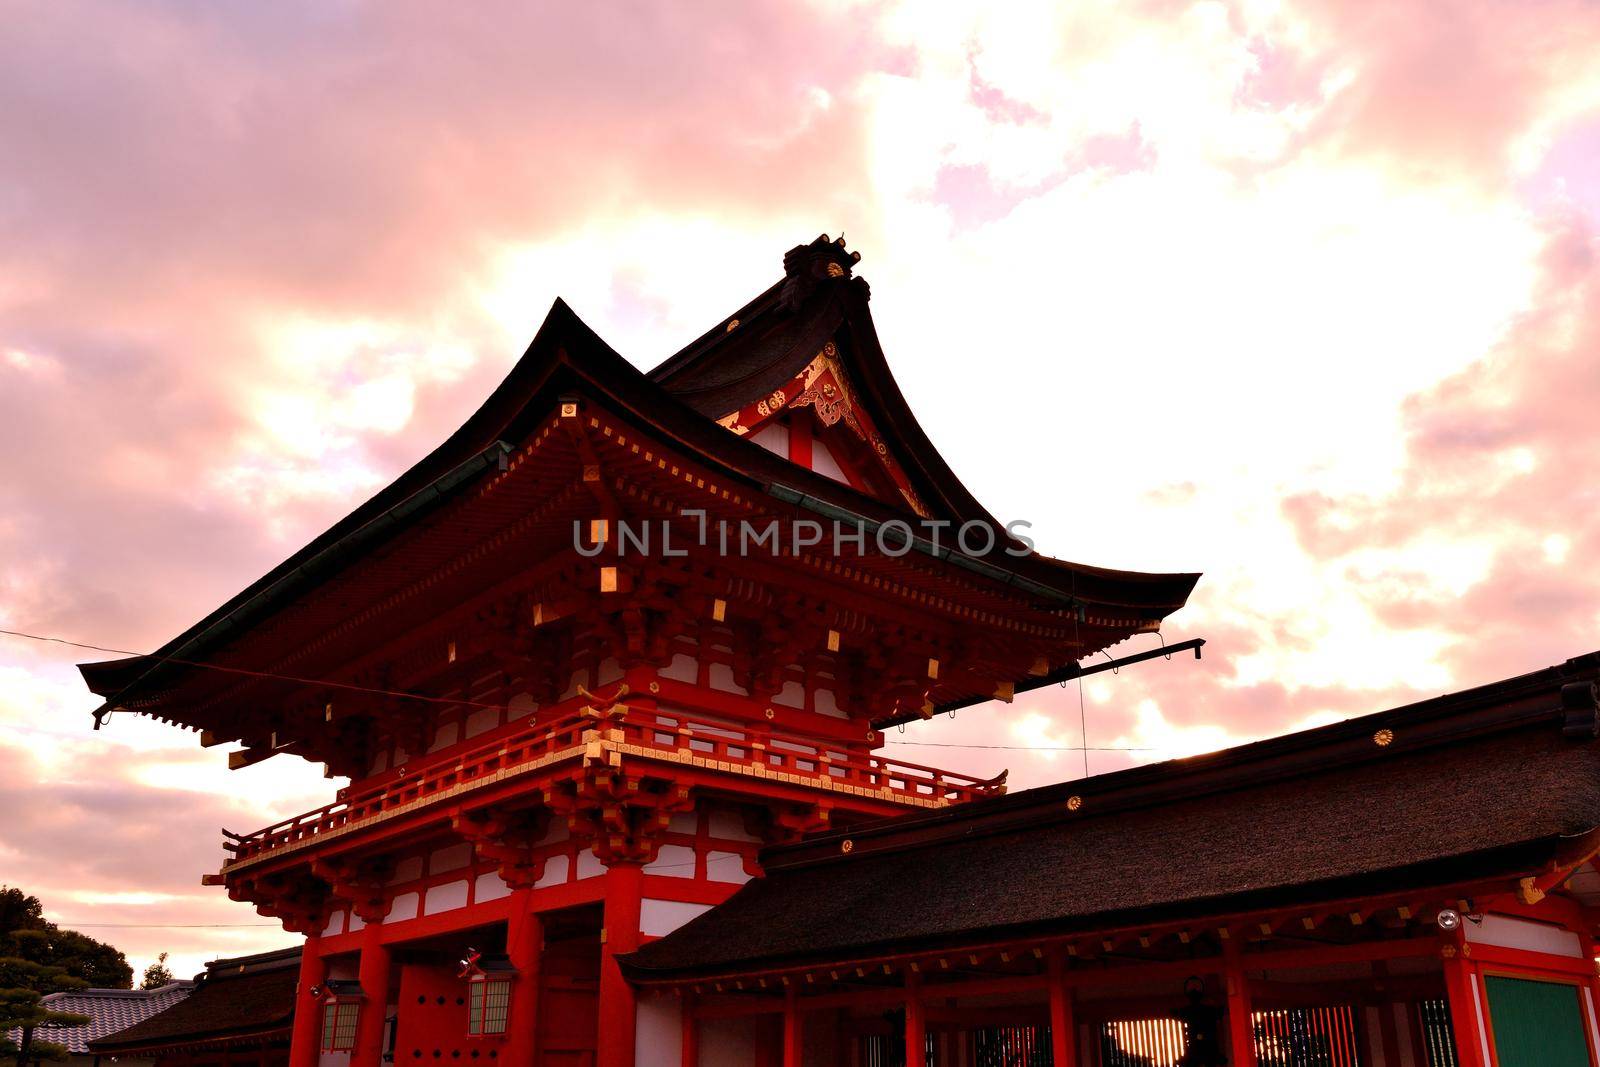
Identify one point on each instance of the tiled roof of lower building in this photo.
(237, 1001)
(109, 1010)
(1486, 783)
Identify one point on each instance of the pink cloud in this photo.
(1509, 451)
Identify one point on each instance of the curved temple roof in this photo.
(818, 303)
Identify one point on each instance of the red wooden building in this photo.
(560, 746)
(624, 647)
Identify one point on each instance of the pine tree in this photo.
(37, 957)
(157, 974)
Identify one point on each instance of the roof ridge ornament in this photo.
(809, 265)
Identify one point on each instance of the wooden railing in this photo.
(668, 736)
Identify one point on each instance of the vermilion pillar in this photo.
(1063, 1027)
(1465, 1022)
(624, 896)
(524, 946)
(306, 1038)
(374, 978)
(691, 1033)
(916, 1022)
(1241, 1027)
(794, 1034)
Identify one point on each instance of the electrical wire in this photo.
(1026, 748)
(453, 701)
(460, 702)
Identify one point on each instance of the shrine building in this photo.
(609, 672)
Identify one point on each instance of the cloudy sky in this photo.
(1303, 296)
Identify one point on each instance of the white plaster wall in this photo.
(445, 736)
(556, 869)
(683, 668)
(728, 1042)
(482, 720)
(672, 861)
(721, 677)
(726, 867)
(589, 865)
(490, 886)
(446, 897)
(659, 1031)
(729, 826)
(403, 908)
(658, 918)
(823, 463)
(792, 695)
(1525, 934)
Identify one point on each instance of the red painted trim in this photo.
(1063, 1030)
(688, 891)
(1533, 962)
(800, 439)
(445, 922)
(794, 1033)
(306, 1035)
(1241, 1026)
(623, 897)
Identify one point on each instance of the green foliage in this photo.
(38, 958)
(157, 974)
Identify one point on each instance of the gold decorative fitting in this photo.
(771, 714)
(569, 410)
(733, 324)
(1074, 803)
(655, 687)
(450, 652)
(719, 610)
(847, 846)
(872, 735)
(835, 270)
(833, 640)
(1383, 737)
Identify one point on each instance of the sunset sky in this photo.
(1302, 296)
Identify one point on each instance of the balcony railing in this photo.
(664, 736)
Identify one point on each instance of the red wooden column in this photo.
(1459, 978)
(1063, 1027)
(794, 1031)
(1241, 1028)
(624, 896)
(691, 1032)
(306, 1038)
(916, 1022)
(374, 978)
(524, 945)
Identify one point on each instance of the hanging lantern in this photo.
(488, 981)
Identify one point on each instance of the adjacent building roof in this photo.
(236, 1002)
(1493, 783)
(109, 1010)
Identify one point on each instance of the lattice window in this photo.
(488, 1006)
(339, 1025)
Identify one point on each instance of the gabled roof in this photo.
(566, 358)
(109, 1010)
(766, 343)
(243, 1001)
(1493, 783)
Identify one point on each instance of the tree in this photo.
(37, 958)
(157, 974)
